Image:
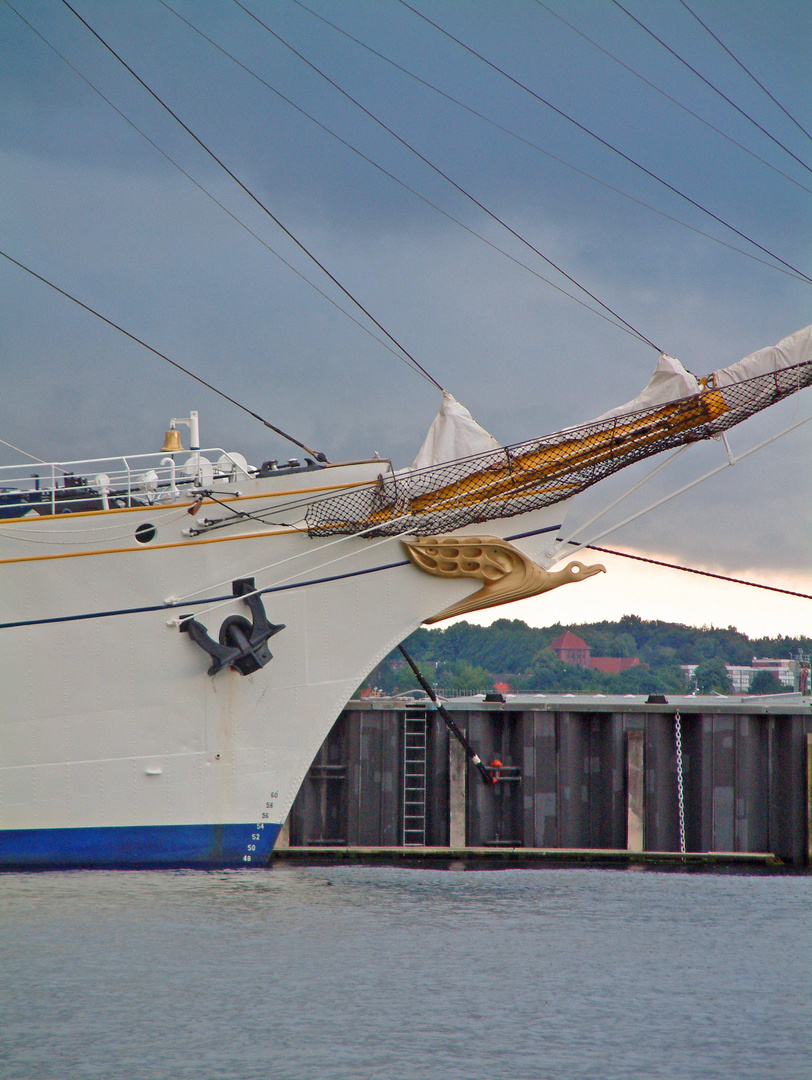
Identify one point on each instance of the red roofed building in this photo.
(613, 665)
(570, 649)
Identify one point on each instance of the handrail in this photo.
(101, 483)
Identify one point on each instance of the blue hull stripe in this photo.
(137, 847)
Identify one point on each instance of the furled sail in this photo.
(669, 382)
(453, 434)
(792, 352)
(515, 479)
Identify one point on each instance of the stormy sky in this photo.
(660, 200)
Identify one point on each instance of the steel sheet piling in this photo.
(585, 774)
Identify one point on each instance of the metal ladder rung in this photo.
(414, 777)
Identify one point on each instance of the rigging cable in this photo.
(707, 82)
(668, 96)
(316, 453)
(604, 142)
(252, 196)
(692, 570)
(25, 453)
(225, 209)
(485, 772)
(539, 149)
(746, 70)
(445, 176)
(412, 191)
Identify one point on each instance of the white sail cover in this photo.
(670, 382)
(453, 434)
(795, 349)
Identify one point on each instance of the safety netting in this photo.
(540, 472)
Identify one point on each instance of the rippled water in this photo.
(392, 973)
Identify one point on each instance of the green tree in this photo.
(464, 677)
(767, 682)
(711, 675)
(548, 675)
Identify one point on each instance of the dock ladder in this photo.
(414, 777)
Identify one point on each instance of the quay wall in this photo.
(576, 773)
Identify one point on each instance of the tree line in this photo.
(467, 658)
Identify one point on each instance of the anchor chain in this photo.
(680, 789)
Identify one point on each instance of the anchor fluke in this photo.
(242, 645)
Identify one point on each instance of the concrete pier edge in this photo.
(495, 858)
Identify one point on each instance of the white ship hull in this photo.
(118, 749)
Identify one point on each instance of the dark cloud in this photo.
(87, 202)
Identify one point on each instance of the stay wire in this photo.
(317, 454)
(707, 82)
(252, 196)
(446, 177)
(540, 149)
(406, 187)
(692, 570)
(486, 774)
(609, 146)
(214, 199)
(668, 97)
(746, 70)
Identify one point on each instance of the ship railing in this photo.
(114, 483)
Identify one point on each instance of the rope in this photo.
(278, 563)
(539, 149)
(452, 726)
(292, 577)
(186, 371)
(668, 97)
(707, 82)
(438, 209)
(446, 177)
(25, 453)
(746, 70)
(70, 536)
(608, 145)
(225, 209)
(701, 573)
(253, 197)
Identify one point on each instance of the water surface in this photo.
(405, 974)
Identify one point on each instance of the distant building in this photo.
(739, 676)
(742, 676)
(570, 649)
(784, 669)
(613, 665)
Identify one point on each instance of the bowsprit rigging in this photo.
(542, 472)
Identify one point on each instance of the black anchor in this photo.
(243, 645)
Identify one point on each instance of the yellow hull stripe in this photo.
(151, 547)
